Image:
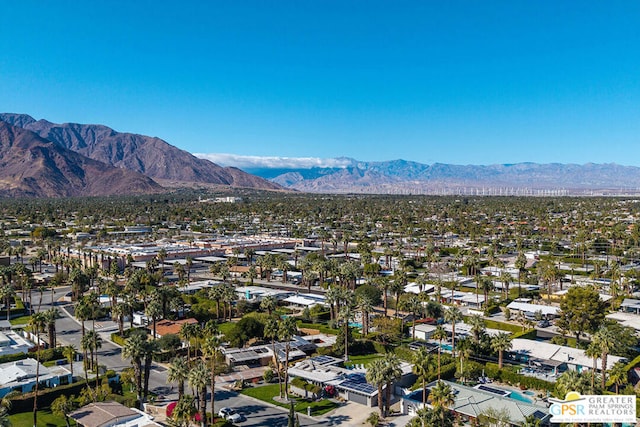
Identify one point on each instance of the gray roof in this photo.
(473, 402)
(100, 413)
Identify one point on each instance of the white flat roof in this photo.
(532, 308)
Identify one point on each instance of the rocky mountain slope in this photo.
(150, 156)
(31, 166)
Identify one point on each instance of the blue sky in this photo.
(453, 82)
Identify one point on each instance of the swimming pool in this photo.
(519, 397)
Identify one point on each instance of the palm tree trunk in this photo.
(35, 395)
(286, 371)
(380, 405)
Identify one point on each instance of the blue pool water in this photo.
(355, 324)
(520, 397)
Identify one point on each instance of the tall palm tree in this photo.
(442, 397)
(178, 373)
(365, 305)
(346, 314)
(268, 304)
(134, 349)
(606, 340)
(69, 352)
(392, 372)
(199, 380)
(383, 283)
(478, 327)
(439, 334)
(286, 331)
(151, 348)
(184, 411)
(37, 323)
(211, 349)
(7, 293)
(453, 315)
(271, 331)
(505, 278)
(375, 375)
(593, 352)
(618, 375)
(332, 297)
(51, 316)
(188, 331)
(422, 367)
(501, 343)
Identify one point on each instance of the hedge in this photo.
(117, 339)
(530, 334)
(509, 376)
(24, 403)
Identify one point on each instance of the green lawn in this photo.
(45, 419)
(266, 394)
(22, 320)
(225, 327)
(363, 359)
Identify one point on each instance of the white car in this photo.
(229, 415)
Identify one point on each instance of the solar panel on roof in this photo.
(497, 391)
(321, 360)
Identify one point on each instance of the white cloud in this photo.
(273, 162)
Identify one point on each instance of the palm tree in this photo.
(198, 380)
(346, 314)
(501, 343)
(37, 323)
(365, 305)
(211, 350)
(392, 372)
(268, 304)
(505, 278)
(50, 317)
(286, 331)
(478, 327)
(271, 331)
(453, 315)
(375, 375)
(464, 353)
(7, 293)
(332, 297)
(69, 352)
(593, 351)
(151, 348)
(618, 375)
(154, 311)
(188, 331)
(178, 373)
(134, 349)
(422, 367)
(384, 284)
(439, 334)
(572, 381)
(606, 340)
(442, 397)
(184, 411)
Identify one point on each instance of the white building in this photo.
(20, 376)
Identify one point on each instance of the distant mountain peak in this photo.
(151, 156)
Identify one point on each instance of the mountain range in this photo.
(43, 159)
(407, 177)
(143, 164)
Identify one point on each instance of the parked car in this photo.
(229, 415)
(543, 324)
